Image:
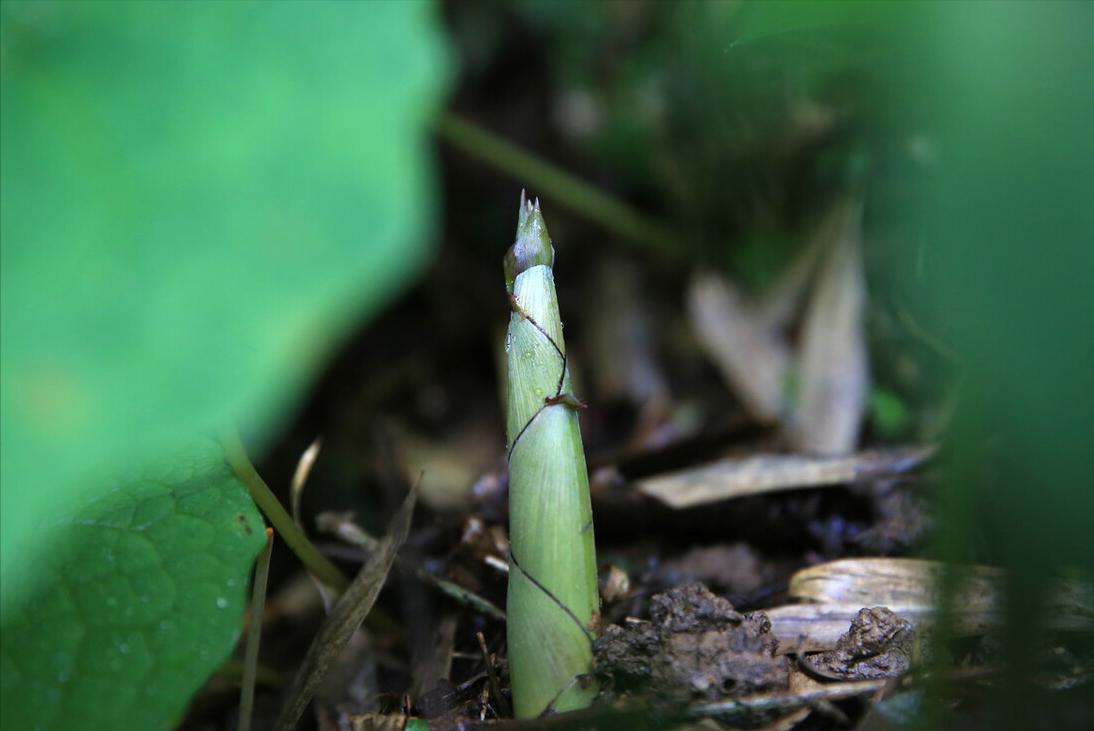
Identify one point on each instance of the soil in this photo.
(696, 645)
(879, 644)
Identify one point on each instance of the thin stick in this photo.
(283, 523)
(495, 687)
(553, 182)
(786, 701)
(254, 634)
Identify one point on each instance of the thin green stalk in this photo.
(552, 181)
(282, 522)
(552, 600)
(254, 634)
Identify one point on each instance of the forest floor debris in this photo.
(695, 645)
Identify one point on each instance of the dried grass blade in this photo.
(753, 358)
(346, 616)
(833, 370)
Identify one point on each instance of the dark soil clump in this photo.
(879, 644)
(696, 645)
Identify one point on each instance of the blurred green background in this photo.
(199, 202)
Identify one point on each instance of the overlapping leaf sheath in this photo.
(552, 602)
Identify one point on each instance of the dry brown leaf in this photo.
(735, 477)
(752, 356)
(833, 361)
(431, 663)
(351, 686)
(621, 339)
(346, 616)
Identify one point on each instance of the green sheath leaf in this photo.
(552, 599)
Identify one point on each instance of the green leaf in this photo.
(198, 201)
(1007, 223)
(889, 414)
(144, 597)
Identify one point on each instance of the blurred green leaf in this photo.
(1007, 228)
(145, 590)
(824, 22)
(888, 412)
(1007, 231)
(198, 200)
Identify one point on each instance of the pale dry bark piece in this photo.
(838, 590)
(911, 582)
(833, 361)
(889, 581)
(752, 356)
(815, 627)
(735, 477)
